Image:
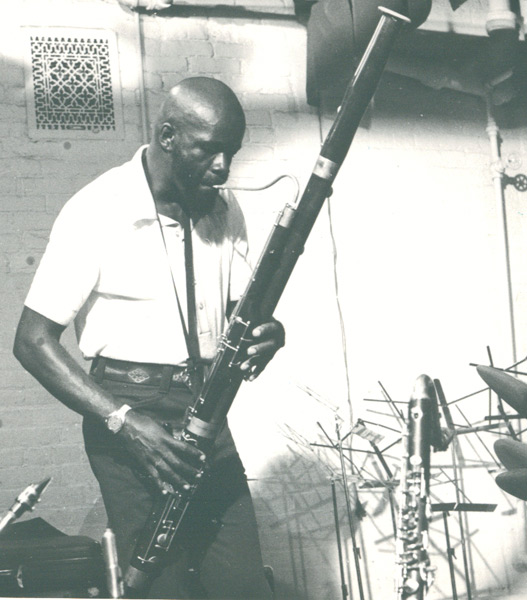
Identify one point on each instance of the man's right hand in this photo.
(169, 462)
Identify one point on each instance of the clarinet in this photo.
(414, 572)
(277, 260)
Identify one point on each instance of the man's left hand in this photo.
(268, 338)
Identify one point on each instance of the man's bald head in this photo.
(199, 100)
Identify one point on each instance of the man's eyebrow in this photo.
(213, 146)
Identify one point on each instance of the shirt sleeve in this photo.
(68, 270)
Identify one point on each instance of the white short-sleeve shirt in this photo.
(106, 269)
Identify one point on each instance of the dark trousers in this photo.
(217, 554)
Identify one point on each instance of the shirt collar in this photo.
(141, 204)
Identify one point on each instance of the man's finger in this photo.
(195, 455)
(252, 371)
(266, 329)
(174, 476)
(262, 348)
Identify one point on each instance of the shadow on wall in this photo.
(95, 521)
(294, 503)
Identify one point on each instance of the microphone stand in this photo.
(114, 580)
(457, 456)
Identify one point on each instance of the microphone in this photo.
(24, 502)
(511, 390)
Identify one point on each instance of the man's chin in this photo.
(205, 197)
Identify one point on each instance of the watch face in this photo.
(114, 423)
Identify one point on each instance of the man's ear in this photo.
(167, 137)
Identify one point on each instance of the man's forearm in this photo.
(38, 348)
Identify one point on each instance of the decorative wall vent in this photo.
(72, 84)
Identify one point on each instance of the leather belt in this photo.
(162, 376)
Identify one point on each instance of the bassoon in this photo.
(269, 278)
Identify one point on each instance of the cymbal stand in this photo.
(356, 549)
(344, 587)
(456, 452)
(450, 556)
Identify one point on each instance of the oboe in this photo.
(414, 572)
(276, 262)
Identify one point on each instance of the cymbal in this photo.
(509, 388)
(512, 454)
(514, 482)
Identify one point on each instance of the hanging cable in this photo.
(498, 173)
(337, 295)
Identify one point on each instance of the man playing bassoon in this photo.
(118, 264)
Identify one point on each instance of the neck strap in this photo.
(190, 332)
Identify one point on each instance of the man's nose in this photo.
(221, 163)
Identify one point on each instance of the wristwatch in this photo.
(115, 420)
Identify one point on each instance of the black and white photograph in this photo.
(264, 320)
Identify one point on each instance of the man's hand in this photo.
(170, 462)
(268, 338)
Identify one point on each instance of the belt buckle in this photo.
(183, 377)
(138, 375)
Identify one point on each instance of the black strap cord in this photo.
(190, 332)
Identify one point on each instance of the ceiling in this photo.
(475, 49)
